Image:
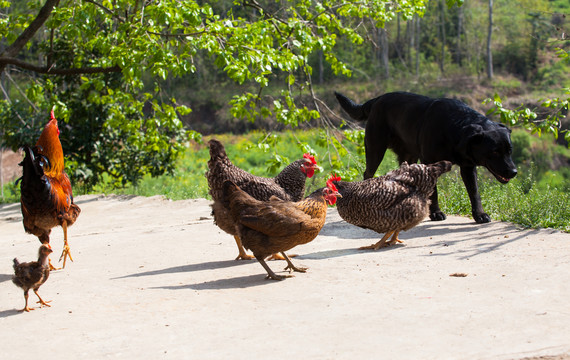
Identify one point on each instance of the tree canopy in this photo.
(100, 63)
(104, 64)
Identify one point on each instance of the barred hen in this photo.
(33, 274)
(391, 203)
(268, 227)
(45, 190)
(288, 185)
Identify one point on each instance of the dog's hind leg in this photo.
(375, 146)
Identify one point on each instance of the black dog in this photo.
(417, 127)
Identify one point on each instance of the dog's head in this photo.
(491, 147)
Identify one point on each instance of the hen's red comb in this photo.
(310, 157)
(52, 115)
(330, 184)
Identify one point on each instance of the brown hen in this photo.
(288, 185)
(267, 227)
(391, 203)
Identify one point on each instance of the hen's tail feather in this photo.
(441, 167)
(33, 161)
(16, 263)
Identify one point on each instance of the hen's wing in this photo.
(379, 193)
(276, 218)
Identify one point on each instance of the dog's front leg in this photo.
(469, 176)
(435, 214)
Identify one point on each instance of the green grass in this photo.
(189, 179)
(522, 201)
(530, 200)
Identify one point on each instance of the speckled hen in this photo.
(391, 203)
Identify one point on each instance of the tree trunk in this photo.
(383, 36)
(321, 68)
(4, 90)
(489, 35)
(416, 16)
(442, 35)
(398, 38)
(1, 170)
(458, 54)
(410, 37)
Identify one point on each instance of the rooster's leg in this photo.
(26, 308)
(65, 253)
(290, 265)
(42, 302)
(242, 255)
(278, 256)
(270, 273)
(380, 244)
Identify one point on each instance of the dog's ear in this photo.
(504, 126)
(469, 135)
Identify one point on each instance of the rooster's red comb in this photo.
(330, 184)
(310, 157)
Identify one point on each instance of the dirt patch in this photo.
(10, 170)
(156, 279)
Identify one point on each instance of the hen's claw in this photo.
(277, 277)
(290, 265)
(295, 268)
(270, 273)
(242, 255)
(383, 242)
(245, 256)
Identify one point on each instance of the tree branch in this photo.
(31, 30)
(106, 10)
(54, 71)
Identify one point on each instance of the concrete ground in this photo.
(157, 279)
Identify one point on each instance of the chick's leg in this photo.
(65, 253)
(270, 273)
(26, 308)
(290, 265)
(42, 302)
(242, 255)
(380, 244)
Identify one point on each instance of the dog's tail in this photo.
(356, 111)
